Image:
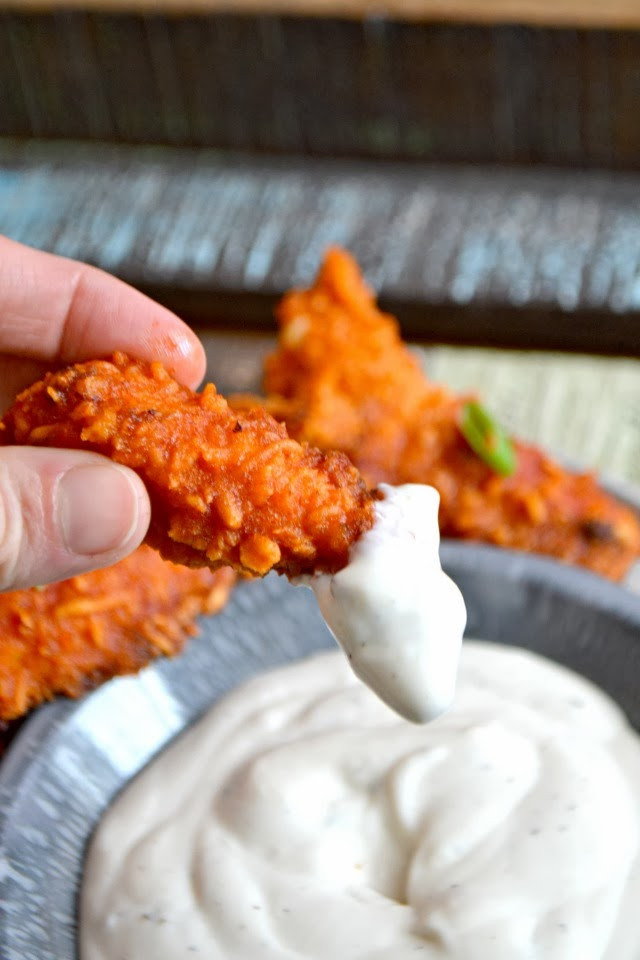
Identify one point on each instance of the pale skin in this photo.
(65, 512)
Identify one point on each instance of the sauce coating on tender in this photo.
(396, 614)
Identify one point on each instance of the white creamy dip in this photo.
(396, 614)
(303, 820)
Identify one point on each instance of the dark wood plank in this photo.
(423, 84)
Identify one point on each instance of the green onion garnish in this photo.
(487, 438)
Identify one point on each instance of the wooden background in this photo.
(517, 258)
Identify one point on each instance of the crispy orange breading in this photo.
(225, 488)
(342, 379)
(67, 637)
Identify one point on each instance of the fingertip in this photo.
(183, 355)
(106, 314)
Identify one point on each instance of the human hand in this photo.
(65, 512)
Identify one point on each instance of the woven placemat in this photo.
(585, 409)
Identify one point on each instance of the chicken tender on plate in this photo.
(226, 488)
(342, 379)
(68, 637)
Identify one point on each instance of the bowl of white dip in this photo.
(302, 818)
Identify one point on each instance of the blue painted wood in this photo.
(522, 257)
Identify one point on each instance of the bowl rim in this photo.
(587, 588)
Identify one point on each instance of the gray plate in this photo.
(73, 757)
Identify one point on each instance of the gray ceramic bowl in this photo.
(71, 758)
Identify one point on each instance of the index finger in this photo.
(60, 311)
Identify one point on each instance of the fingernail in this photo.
(98, 508)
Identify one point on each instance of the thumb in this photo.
(64, 512)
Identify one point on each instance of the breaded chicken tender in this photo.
(68, 637)
(342, 379)
(225, 488)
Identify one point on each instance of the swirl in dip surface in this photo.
(303, 820)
